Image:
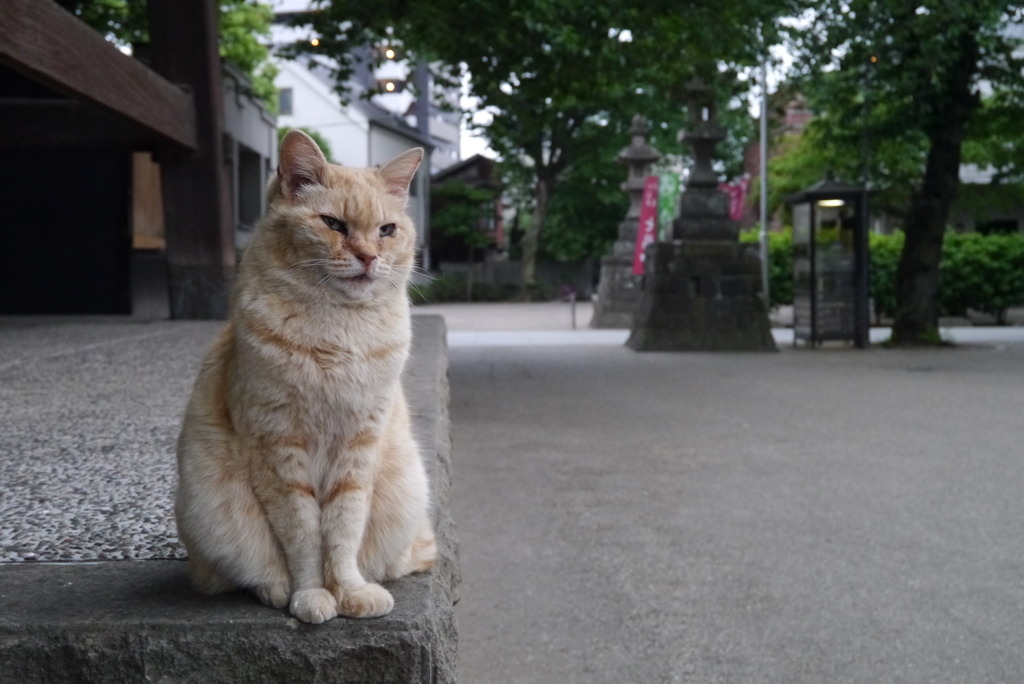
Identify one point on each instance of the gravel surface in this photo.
(90, 411)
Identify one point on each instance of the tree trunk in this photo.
(531, 239)
(917, 275)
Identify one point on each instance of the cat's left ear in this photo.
(301, 163)
(397, 173)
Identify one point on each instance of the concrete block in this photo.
(139, 621)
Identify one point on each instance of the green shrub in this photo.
(780, 264)
(885, 256)
(981, 272)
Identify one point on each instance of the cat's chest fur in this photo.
(317, 376)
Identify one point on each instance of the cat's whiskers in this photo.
(423, 273)
(418, 291)
(327, 278)
(308, 263)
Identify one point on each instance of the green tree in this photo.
(546, 71)
(244, 32)
(244, 26)
(588, 203)
(802, 159)
(913, 71)
(459, 211)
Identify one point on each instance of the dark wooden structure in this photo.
(477, 172)
(72, 108)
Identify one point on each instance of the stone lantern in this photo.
(619, 290)
(702, 290)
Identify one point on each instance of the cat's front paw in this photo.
(273, 594)
(368, 601)
(313, 605)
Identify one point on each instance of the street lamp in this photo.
(390, 85)
(830, 258)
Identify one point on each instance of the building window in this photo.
(284, 101)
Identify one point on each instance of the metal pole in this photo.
(764, 180)
(862, 321)
(421, 108)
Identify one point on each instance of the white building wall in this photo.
(385, 145)
(317, 107)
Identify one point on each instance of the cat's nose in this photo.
(367, 259)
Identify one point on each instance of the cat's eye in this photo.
(387, 230)
(335, 224)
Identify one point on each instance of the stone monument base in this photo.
(701, 296)
(618, 295)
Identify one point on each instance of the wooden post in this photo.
(200, 234)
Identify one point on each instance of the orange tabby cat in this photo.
(299, 476)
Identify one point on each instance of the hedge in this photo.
(980, 272)
(780, 264)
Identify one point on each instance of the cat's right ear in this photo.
(301, 163)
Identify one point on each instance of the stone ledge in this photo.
(128, 621)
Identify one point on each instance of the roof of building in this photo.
(484, 176)
(827, 187)
(381, 117)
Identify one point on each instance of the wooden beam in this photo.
(27, 123)
(46, 43)
(196, 190)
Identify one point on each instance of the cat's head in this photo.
(341, 228)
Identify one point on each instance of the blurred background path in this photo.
(806, 516)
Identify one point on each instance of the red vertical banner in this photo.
(737, 192)
(647, 232)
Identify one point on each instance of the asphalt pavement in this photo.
(804, 516)
(807, 516)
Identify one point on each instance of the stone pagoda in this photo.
(702, 290)
(618, 294)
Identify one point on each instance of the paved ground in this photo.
(536, 316)
(807, 516)
(511, 316)
(550, 324)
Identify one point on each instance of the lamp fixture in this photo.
(390, 85)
